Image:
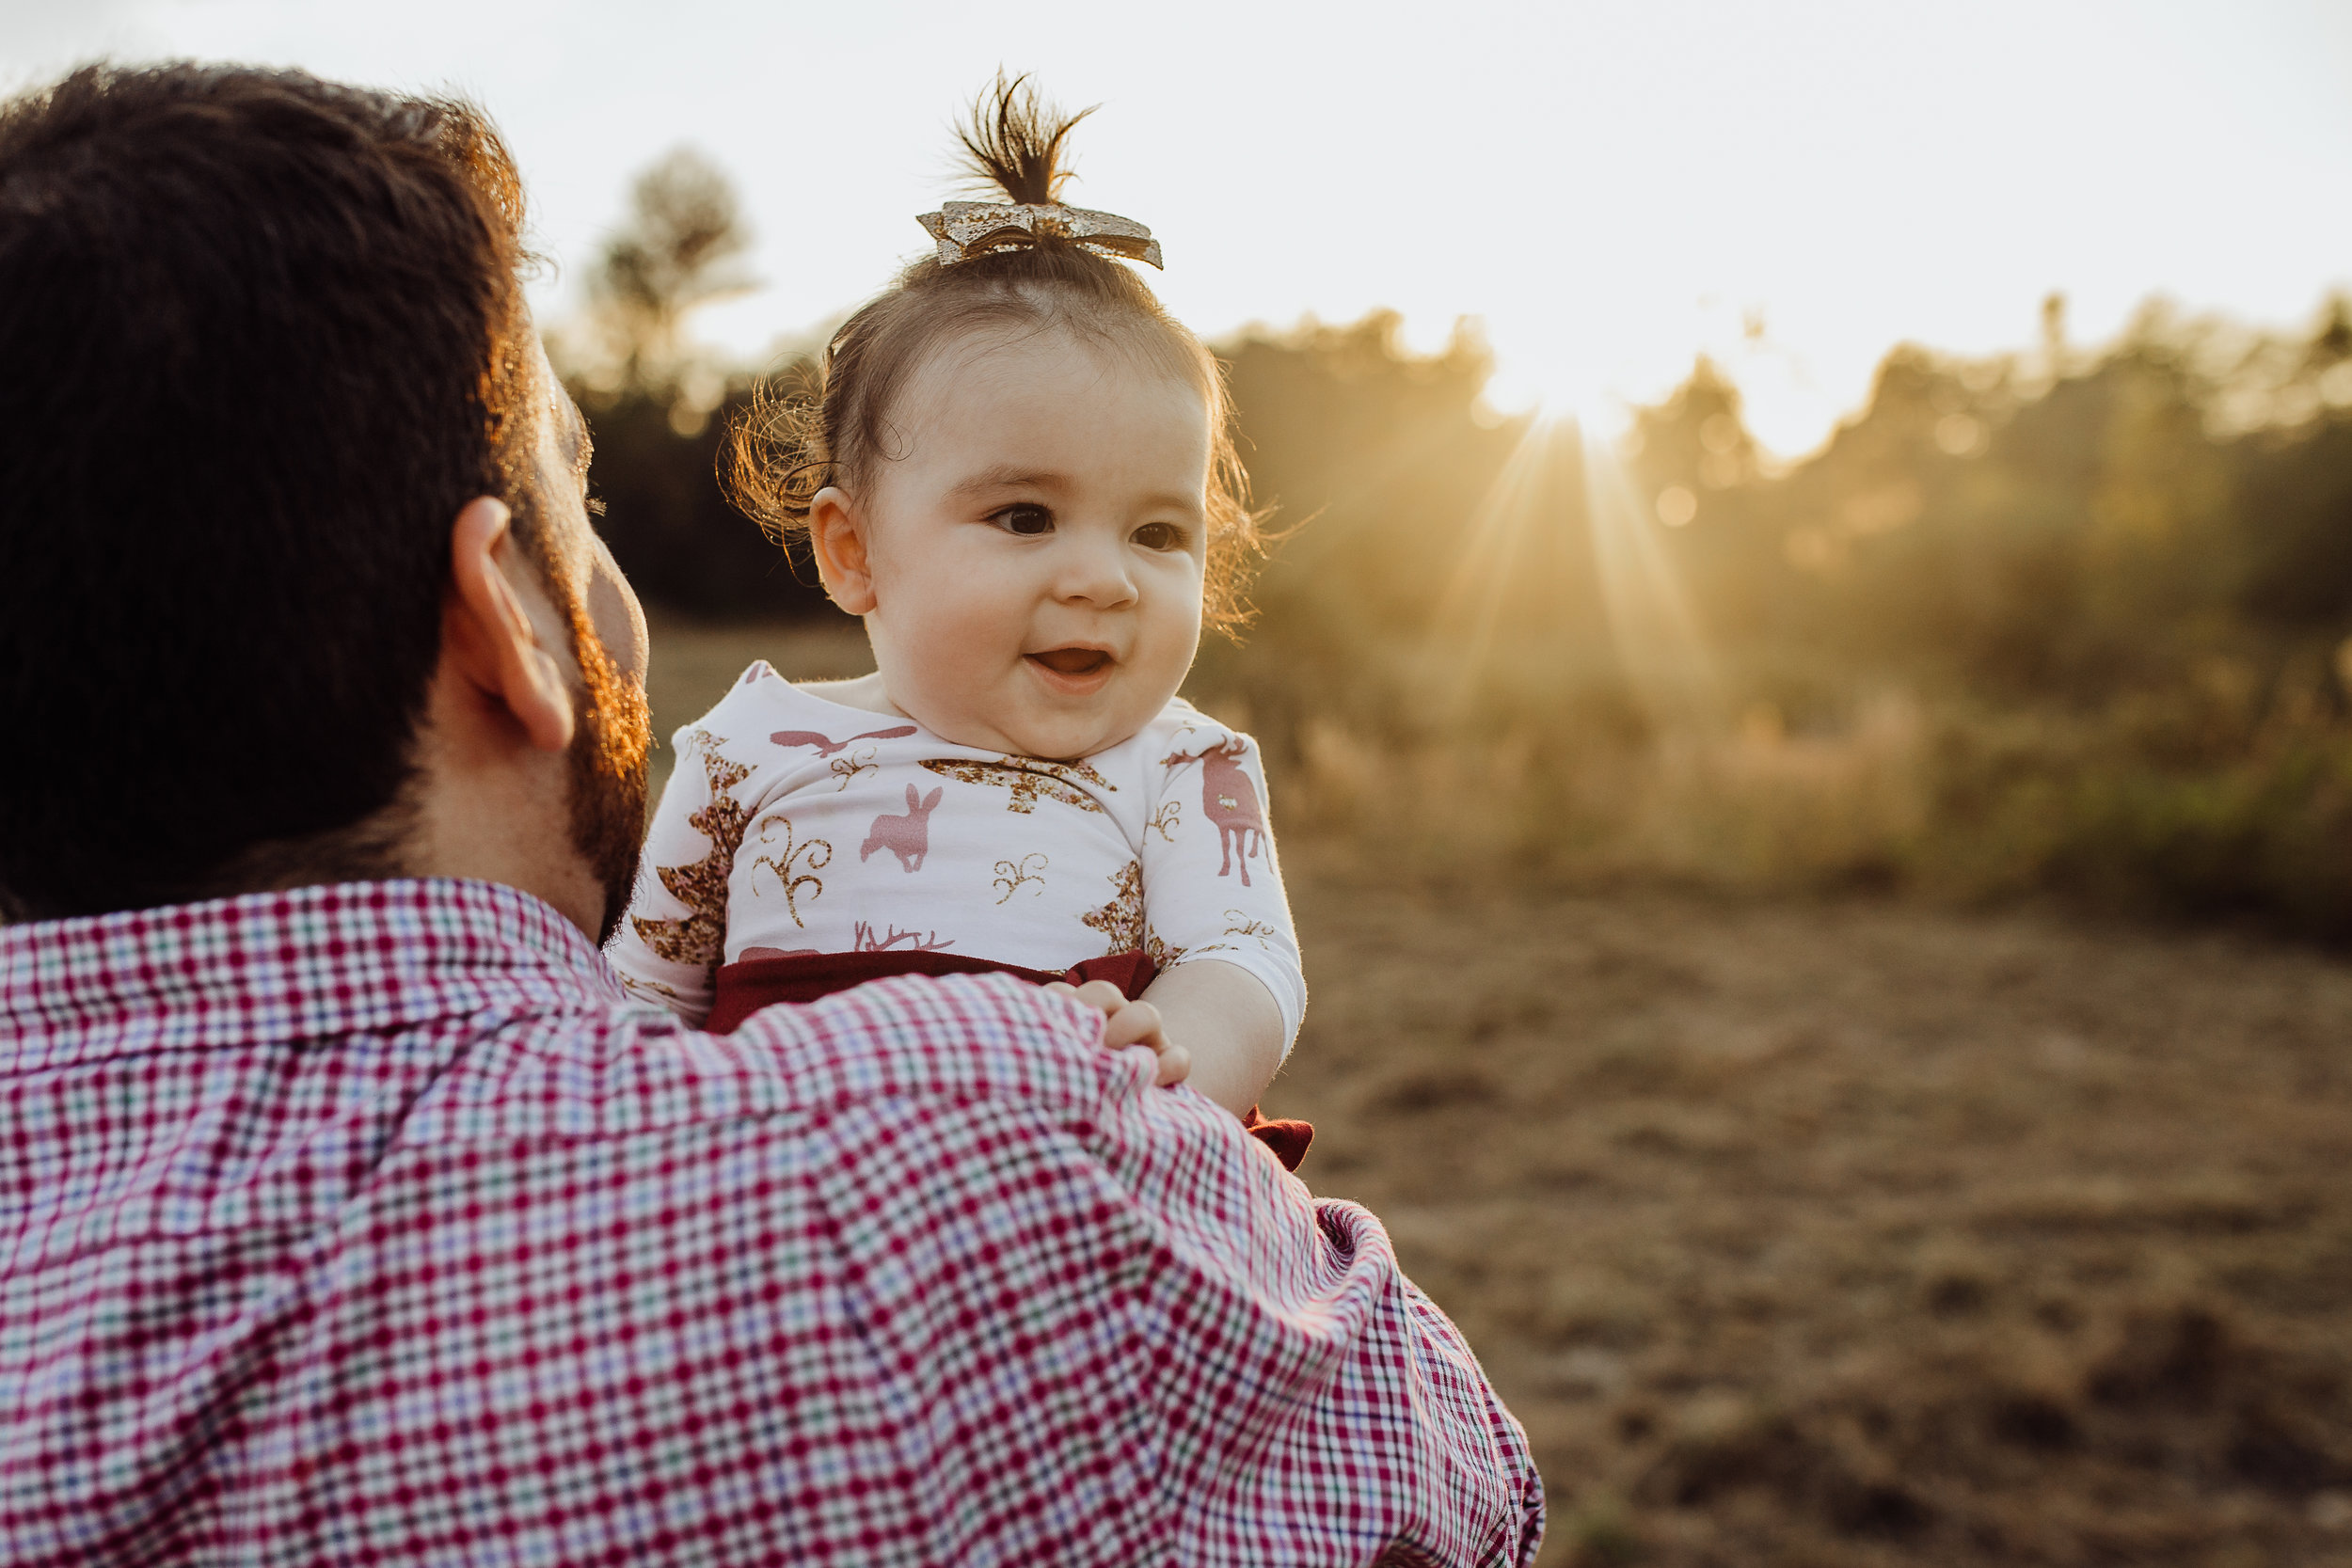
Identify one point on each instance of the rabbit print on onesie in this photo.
(854, 837)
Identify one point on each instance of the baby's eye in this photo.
(1026, 520)
(1160, 536)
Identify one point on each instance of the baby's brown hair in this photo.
(791, 444)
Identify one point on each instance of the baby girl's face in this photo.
(1035, 543)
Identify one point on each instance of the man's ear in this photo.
(487, 638)
(842, 562)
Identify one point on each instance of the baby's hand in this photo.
(1126, 1023)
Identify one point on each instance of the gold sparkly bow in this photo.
(967, 229)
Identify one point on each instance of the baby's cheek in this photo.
(963, 641)
(1172, 635)
(934, 606)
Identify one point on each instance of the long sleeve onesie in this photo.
(794, 825)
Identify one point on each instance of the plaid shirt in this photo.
(373, 1223)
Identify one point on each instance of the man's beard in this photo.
(607, 767)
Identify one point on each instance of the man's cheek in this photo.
(618, 619)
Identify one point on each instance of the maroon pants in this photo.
(745, 988)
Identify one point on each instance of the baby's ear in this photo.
(842, 564)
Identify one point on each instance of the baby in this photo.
(1020, 475)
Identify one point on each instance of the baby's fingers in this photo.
(1126, 1023)
(1140, 1024)
(1134, 1023)
(1101, 995)
(1104, 995)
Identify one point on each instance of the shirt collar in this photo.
(306, 963)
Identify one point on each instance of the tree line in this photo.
(2117, 582)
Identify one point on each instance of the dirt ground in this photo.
(1856, 1233)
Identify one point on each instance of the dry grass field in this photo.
(1856, 1233)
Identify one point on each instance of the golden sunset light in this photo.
(655, 668)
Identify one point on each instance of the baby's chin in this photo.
(1063, 733)
(1066, 742)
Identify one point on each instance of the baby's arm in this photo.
(1223, 1018)
(1229, 990)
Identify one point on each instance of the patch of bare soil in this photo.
(1860, 1233)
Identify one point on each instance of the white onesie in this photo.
(793, 825)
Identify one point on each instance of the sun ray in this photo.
(1470, 608)
(1657, 633)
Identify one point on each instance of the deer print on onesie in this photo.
(1229, 799)
(1157, 845)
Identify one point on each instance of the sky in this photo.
(1607, 188)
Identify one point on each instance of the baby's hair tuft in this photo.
(1014, 142)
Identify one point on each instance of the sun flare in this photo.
(1567, 523)
(1558, 390)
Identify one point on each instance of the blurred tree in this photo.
(679, 248)
(657, 403)
(1696, 439)
(1374, 459)
(2116, 584)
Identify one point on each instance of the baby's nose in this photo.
(1097, 574)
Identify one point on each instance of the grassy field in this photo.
(1846, 1232)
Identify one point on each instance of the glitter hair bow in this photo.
(967, 229)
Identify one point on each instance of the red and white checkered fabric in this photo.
(373, 1223)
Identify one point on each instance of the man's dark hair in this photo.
(261, 338)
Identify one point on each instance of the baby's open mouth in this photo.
(1073, 661)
